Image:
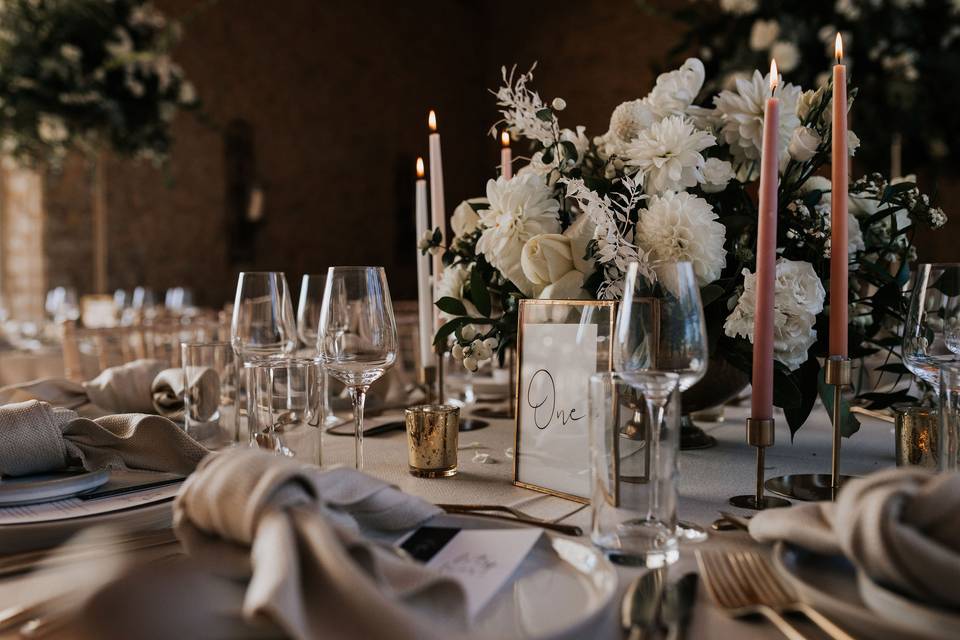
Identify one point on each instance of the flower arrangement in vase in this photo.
(672, 179)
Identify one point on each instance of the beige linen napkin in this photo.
(141, 386)
(899, 526)
(36, 437)
(294, 530)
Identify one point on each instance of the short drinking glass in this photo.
(634, 465)
(285, 407)
(210, 377)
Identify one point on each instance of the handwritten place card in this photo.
(562, 343)
(481, 560)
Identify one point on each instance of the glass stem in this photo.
(328, 415)
(655, 410)
(359, 396)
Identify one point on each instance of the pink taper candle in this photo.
(438, 215)
(506, 156)
(762, 398)
(838, 207)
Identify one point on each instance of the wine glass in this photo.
(357, 339)
(308, 322)
(263, 324)
(931, 334)
(660, 328)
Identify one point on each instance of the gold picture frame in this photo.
(580, 314)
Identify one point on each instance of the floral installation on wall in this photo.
(673, 179)
(84, 74)
(902, 55)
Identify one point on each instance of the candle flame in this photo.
(420, 171)
(432, 120)
(838, 48)
(774, 75)
(505, 138)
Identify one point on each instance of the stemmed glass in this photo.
(308, 322)
(263, 324)
(931, 334)
(357, 339)
(661, 328)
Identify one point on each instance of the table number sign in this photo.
(560, 344)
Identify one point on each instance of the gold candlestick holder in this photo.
(821, 486)
(760, 434)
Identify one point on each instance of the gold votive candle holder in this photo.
(917, 432)
(433, 432)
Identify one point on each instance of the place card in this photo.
(481, 560)
(561, 343)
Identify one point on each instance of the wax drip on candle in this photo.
(432, 120)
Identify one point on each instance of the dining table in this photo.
(707, 479)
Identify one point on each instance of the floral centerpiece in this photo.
(82, 74)
(672, 179)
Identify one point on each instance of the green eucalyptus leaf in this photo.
(545, 114)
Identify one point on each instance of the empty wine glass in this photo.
(357, 339)
(308, 322)
(263, 324)
(661, 328)
(931, 334)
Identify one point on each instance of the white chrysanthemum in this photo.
(520, 208)
(453, 282)
(741, 115)
(716, 174)
(798, 298)
(680, 227)
(676, 90)
(668, 154)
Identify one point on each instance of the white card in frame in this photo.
(560, 344)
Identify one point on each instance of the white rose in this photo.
(763, 34)
(787, 56)
(464, 219)
(853, 142)
(546, 258)
(798, 287)
(716, 174)
(580, 234)
(803, 143)
(569, 287)
(793, 335)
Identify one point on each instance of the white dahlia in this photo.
(680, 227)
(668, 154)
(741, 117)
(676, 90)
(520, 208)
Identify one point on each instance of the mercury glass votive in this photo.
(432, 437)
(917, 437)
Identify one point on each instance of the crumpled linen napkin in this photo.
(899, 526)
(37, 437)
(293, 531)
(141, 386)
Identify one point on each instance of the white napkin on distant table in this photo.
(901, 527)
(294, 532)
(141, 386)
(36, 437)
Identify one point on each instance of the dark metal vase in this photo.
(722, 383)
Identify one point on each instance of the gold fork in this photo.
(744, 582)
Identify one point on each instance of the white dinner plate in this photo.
(563, 589)
(47, 487)
(831, 585)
